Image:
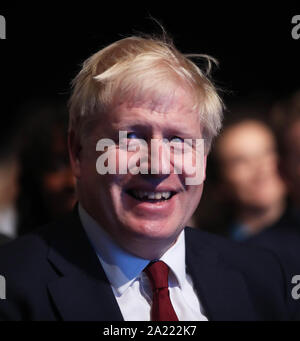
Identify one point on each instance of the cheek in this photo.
(193, 196)
(112, 191)
(92, 184)
(238, 177)
(188, 206)
(197, 191)
(193, 170)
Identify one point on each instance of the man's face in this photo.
(129, 206)
(249, 165)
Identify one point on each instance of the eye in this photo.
(132, 135)
(176, 139)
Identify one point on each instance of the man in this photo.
(110, 259)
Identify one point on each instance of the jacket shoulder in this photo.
(26, 256)
(251, 260)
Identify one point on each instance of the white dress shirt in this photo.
(131, 285)
(8, 222)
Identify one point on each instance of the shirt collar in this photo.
(121, 267)
(174, 257)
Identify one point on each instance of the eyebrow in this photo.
(132, 126)
(171, 129)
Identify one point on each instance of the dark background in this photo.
(46, 44)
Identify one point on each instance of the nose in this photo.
(159, 162)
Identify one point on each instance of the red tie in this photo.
(162, 309)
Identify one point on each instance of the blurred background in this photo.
(253, 177)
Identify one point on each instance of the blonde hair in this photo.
(135, 67)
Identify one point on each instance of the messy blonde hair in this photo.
(135, 67)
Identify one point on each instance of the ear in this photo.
(74, 147)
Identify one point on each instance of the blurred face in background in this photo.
(291, 161)
(248, 162)
(58, 182)
(9, 182)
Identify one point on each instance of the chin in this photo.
(163, 229)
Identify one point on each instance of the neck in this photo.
(256, 219)
(146, 248)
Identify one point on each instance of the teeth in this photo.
(166, 195)
(157, 196)
(151, 195)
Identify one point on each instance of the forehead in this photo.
(175, 108)
(245, 138)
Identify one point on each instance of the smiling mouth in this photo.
(146, 196)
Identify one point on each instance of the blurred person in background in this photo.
(248, 165)
(47, 183)
(4, 239)
(9, 184)
(248, 186)
(284, 236)
(254, 185)
(286, 120)
(289, 142)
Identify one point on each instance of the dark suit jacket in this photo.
(4, 239)
(283, 239)
(54, 274)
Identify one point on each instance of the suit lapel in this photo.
(81, 299)
(81, 291)
(222, 290)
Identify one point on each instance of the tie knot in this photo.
(158, 274)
